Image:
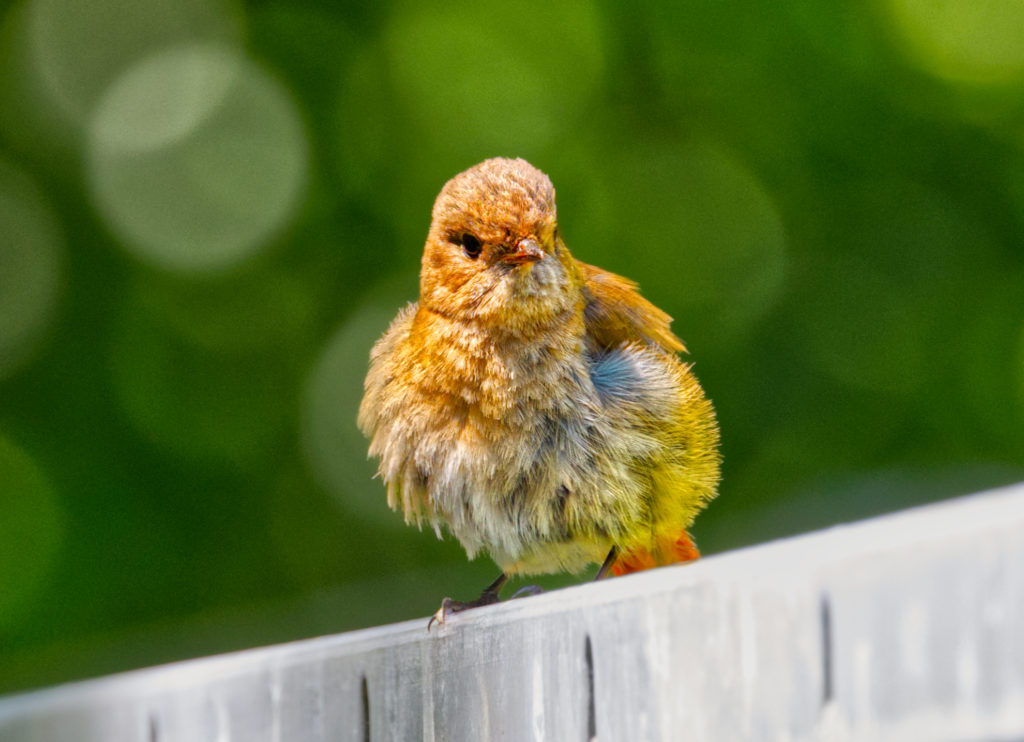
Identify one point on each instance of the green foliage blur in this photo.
(209, 210)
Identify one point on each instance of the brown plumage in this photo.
(531, 403)
(615, 312)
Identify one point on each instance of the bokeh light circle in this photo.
(31, 531)
(496, 75)
(211, 408)
(31, 249)
(701, 234)
(864, 327)
(197, 158)
(875, 295)
(972, 41)
(79, 48)
(334, 449)
(260, 309)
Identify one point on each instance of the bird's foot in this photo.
(449, 606)
(525, 592)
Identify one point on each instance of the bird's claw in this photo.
(439, 616)
(449, 606)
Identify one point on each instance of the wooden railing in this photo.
(905, 627)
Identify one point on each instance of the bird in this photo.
(533, 405)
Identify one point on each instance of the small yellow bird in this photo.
(532, 404)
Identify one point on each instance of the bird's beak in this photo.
(527, 251)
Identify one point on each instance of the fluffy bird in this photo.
(532, 404)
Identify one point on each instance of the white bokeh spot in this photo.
(197, 158)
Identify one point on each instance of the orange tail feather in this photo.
(681, 549)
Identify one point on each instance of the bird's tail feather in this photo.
(667, 551)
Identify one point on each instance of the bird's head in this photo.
(493, 254)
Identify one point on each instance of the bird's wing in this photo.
(615, 313)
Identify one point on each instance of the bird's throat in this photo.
(491, 367)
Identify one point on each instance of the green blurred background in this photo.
(209, 210)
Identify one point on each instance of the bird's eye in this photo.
(471, 245)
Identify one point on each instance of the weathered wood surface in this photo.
(906, 627)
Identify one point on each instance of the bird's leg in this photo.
(606, 567)
(488, 596)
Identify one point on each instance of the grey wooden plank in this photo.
(909, 626)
